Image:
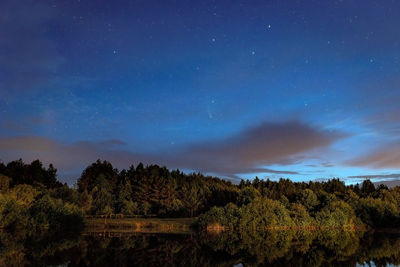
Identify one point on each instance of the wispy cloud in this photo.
(386, 156)
(262, 145)
(377, 176)
(248, 151)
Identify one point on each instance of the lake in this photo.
(231, 248)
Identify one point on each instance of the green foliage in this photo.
(32, 174)
(13, 216)
(66, 193)
(124, 193)
(334, 186)
(101, 199)
(300, 216)
(367, 188)
(54, 214)
(24, 194)
(265, 213)
(308, 199)
(377, 212)
(325, 198)
(156, 191)
(85, 201)
(337, 214)
(228, 216)
(4, 183)
(151, 190)
(193, 198)
(145, 208)
(33, 201)
(247, 195)
(42, 213)
(328, 205)
(261, 213)
(98, 174)
(129, 208)
(107, 210)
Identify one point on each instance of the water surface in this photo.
(246, 248)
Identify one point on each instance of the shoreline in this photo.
(140, 225)
(185, 225)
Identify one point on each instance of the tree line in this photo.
(33, 191)
(32, 200)
(314, 205)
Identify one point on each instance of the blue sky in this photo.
(299, 89)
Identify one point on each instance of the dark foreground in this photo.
(274, 248)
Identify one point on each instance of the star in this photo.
(253, 52)
(269, 26)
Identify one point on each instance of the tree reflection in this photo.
(251, 248)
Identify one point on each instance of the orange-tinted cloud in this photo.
(249, 151)
(387, 156)
(262, 145)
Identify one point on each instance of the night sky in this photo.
(305, 90)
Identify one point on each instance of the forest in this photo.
(32, 198)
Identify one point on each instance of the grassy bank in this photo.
(145, 225)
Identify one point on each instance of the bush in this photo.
(265, 213)
(54, 214)
(227, 216)
(300, 216)
(259, 214)
(378, 213)
(13, 216)
(308, 199)
(129, 207)
(247, 195)
(337, 214)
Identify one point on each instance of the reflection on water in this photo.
(274, 248)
